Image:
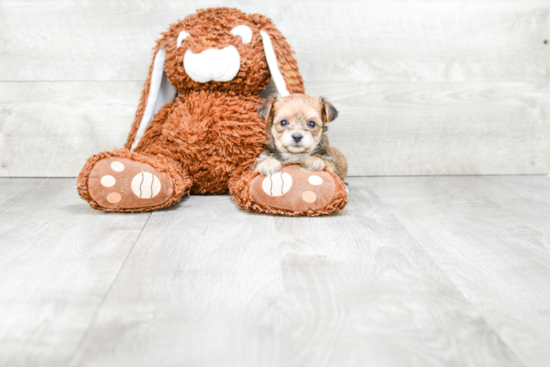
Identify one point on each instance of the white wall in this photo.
(423, 87)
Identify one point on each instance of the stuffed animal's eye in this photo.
(244, 32)
(284, 123)
(181, 36)
(311, 124)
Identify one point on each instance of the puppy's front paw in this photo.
(269, 167)
(313, 164)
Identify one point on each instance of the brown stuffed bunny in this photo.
(197, 125)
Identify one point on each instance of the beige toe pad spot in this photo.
(308, 196)
(108, 181)
(117, 166)
(315, 180)
(114, 197)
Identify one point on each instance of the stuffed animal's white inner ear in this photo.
(273, 65)
(181, 36)
(244, 32)
(160, 92)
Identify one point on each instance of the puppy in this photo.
(296, 127)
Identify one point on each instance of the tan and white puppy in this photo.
(296, 127)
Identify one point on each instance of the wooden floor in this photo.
(416, 271)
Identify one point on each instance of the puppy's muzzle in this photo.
(297, 137)
(212, 64)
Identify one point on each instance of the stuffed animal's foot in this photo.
(130, 182)
(292, 191)
(123, 183)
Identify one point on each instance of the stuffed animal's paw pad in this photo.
(123, 183)
(294, 189)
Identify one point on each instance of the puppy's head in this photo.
(297, 122)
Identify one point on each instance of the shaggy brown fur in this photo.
(210, 28)
(214, 133)
(211, 134)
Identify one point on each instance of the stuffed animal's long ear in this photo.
(156, 92)
(278, 53)
(266, 110)
(328, 111)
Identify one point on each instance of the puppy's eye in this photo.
(311, 124)
(244, 32)
(284, 123)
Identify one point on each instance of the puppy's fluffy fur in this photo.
(296, 127)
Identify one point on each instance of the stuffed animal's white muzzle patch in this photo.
(212, 64)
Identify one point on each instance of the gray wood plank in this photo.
(350, 40)
(50, 129)
(389, 74)
(202, 286)
(362, 288)
(58, 259)
(525, 198)
(207, 284)
(16, 205)
(480, 232)
(10, 189)
(440, 128)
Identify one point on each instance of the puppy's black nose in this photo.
(297, 137)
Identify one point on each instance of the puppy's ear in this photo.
(266, 110)
(328, 111)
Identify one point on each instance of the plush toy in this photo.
(197, 128)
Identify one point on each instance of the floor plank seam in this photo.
(350, 176)
(454, 175)
(22, 199)
(466, 298)
(84, 335)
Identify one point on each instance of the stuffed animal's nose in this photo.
(297, 137)
(220, 65)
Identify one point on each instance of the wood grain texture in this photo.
(202, 286)
(58, 259)
(50, 129)
(440, 128)
(424, 88)
(416, 271)
(362, 292)
(490, 236)
(530, 203)
(207, 284)
(352, 40)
